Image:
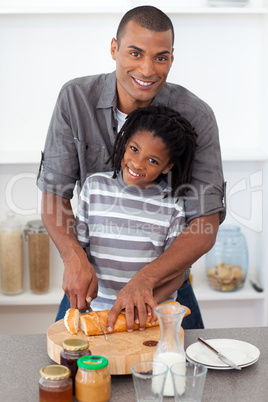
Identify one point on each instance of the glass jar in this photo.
(227, 261)
(11, 255)
(73, 349)
(38, 248)
(55, 384)
(93, 380)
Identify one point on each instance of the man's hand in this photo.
(79, 280)
(136, 298)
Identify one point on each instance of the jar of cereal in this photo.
(227, 261)
(38, 247)
(11, 255)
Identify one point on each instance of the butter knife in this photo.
(100, 324)
(220, 355)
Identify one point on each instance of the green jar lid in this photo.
(74, 344)
(55, 372)
(92, 362)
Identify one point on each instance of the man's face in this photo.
(143, 61)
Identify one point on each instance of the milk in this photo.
(170, 358)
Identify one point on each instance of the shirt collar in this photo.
(108, 96)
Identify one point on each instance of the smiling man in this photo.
(88, 114)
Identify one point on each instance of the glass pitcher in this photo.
(170, 349)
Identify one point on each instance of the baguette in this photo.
(90, 322)
(71, 320)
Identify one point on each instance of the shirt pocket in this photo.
(92, 158)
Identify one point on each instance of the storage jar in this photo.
(11, 255)
(38, 250)
(72, 350)
(93, 380)
(227, 261)
(55, 384)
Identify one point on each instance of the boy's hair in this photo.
(176, 133)
(148, 17)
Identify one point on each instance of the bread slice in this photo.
(71, 320)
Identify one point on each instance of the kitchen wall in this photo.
(220, 57)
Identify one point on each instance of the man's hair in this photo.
(148, 17)
(177, 134)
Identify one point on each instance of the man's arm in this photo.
(187, 248)
(79, 279)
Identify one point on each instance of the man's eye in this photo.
(161, 58)
(135, 54)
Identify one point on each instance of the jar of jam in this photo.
(38, 246)
(93, 380)
(55, 384)
(73, 349)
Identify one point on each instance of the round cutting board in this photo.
(122, 348)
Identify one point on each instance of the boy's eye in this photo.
(153, 161)
(134, 149)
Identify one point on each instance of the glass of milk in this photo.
(170, 349)
(188, 381)
(149, 379)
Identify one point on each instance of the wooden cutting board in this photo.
(122, 348)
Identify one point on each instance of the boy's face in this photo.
(145, 158)
(143, 61)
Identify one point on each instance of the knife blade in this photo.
(100, 324)
(220, 355)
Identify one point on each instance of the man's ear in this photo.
(114, 46)
(167, 169)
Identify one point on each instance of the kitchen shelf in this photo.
(53, 297)
(204, 293)
(115, 10)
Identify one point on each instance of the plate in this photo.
(241, 353)
(221, 367)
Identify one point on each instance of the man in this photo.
(86, 119)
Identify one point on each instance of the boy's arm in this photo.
(164, 291)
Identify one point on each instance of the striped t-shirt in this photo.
(123, 228)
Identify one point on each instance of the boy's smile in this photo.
(145, 158)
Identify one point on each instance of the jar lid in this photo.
(93, 362)
(11, 223)
(36, 227)
(55, 372)
(75, 344)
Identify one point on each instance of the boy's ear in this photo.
(167, 169)
(114, 48)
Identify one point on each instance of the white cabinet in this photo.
(221, 54)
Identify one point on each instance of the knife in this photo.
(100, 324)
(220, 355)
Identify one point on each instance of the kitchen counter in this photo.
(22, 356)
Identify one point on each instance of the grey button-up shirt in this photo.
(84, 126)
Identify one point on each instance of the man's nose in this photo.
(147, 67)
